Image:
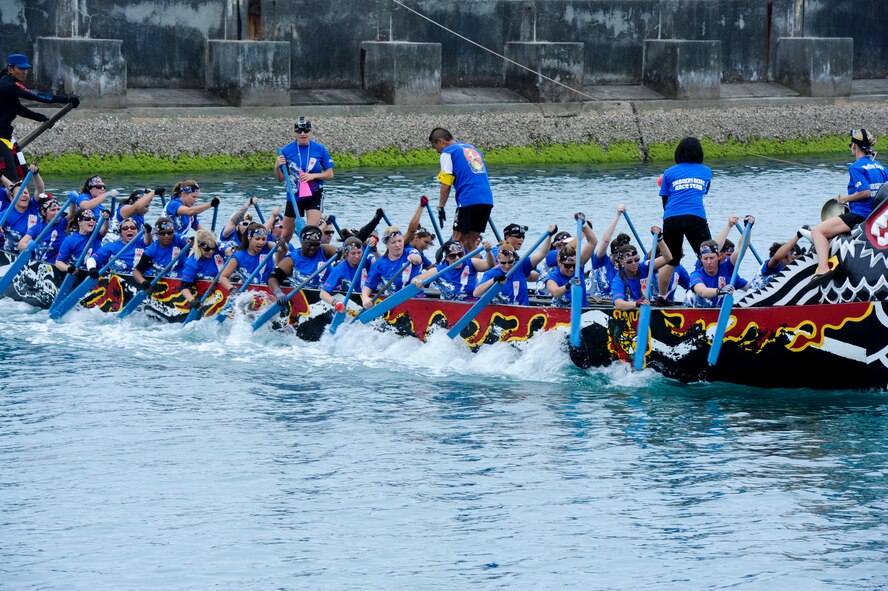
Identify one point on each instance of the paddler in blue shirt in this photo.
(464, 170)
(183, 208)
(340, 278)
(124, 264)
(385, 269)
(300, 263)
(160, 252)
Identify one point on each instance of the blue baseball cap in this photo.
(18, 60)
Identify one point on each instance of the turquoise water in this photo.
(142, 456)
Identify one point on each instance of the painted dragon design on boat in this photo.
(786, 335)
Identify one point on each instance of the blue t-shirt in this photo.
(303, 266)
(470, 181)
(126, 262)
(680, 277)
(313, 158)
(563, 301)
(631, 289)
(48, 249)
(18, 223)
(603, 270)
(247, 263)
(383, 269)
(98, 209)
(181, 222)
(161, 256)
(721, 278)
(202, 268)
(865, 174)
(684, 186)
(514, 288)
(458, 283)
(340, 278)
(72, 246)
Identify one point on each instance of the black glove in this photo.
(94, 274)
(501, 278)
(71, 270)
(145, 284)
(41, 118)
(378, 215)
(74, 100)
(554, 230)
(194, 304)
(147, 228)
(160, 191)
(331, 219)
(442, 216)
(215, 202)
(281, 298)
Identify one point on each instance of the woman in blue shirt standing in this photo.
(684, 216)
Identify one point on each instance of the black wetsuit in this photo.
(11, 92)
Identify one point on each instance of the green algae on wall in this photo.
(618, 152)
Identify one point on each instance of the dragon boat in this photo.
(786, 335)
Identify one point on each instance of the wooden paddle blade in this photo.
(720, 328)
(475, 310)
(642, 336)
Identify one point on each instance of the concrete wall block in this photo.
(402, 73)
(249, 73)
(93, 69)
(816, 66)
(681, 69)
(563, 62)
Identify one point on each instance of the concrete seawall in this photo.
(362, 129)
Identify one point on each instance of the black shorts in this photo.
(316, 201)
(472, 218)
(679, 227)
(851, 219)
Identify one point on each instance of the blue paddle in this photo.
(300, 223)
(576, 290)
(274, 309)
(434, 223)
(331, 219)
(340, 316)
(496, 232)
(259, 213)
(24, 257)
(18, 194)
(408, 291)
(215, 215)
(751, 247)
(727, 304)
(492, 292)
(65, 287)
(642, 335)
(635, 233)
(195, 312)
(88, 283)
(387, 220)
(143, 293)
(223, 314)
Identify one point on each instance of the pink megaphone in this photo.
(304, 189)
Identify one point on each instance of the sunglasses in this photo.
(454, 255)
(205, 246)
(303, 130)
(506, 262)
(517, 235)
(568, 265)
(97, 187)
(87, 218)
(125, 228)
(632, 261)
(329, 232)
(165, 233)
